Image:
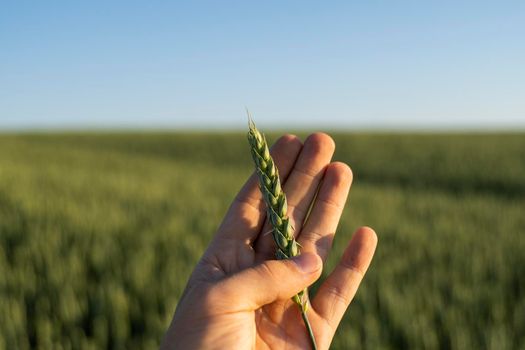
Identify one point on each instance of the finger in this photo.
(318, 233)
(301, 186)
(269, 281)
(246, 214)
(336, 293)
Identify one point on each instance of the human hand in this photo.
(238, 296)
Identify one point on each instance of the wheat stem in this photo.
(276, 207)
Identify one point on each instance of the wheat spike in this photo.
(276, 207)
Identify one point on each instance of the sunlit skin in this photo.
(238, 296)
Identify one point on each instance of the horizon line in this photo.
(236, 129)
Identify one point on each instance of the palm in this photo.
(242, 242)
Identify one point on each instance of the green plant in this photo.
(276, 205)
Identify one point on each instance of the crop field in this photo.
(100, 231)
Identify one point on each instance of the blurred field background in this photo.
(100, 231)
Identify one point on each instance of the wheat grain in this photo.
(276, 206)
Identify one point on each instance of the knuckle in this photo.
(340, 296)
(266, 271)
(353, 267)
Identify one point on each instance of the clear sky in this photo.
(295, 64)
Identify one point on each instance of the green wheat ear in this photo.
(276, 206)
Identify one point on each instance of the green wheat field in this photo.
(100, 231)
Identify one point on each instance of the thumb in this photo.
(273, 280)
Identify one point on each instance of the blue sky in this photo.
(295, 64)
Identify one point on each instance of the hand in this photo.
(238, 296)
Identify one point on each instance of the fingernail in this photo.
(308, 262)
